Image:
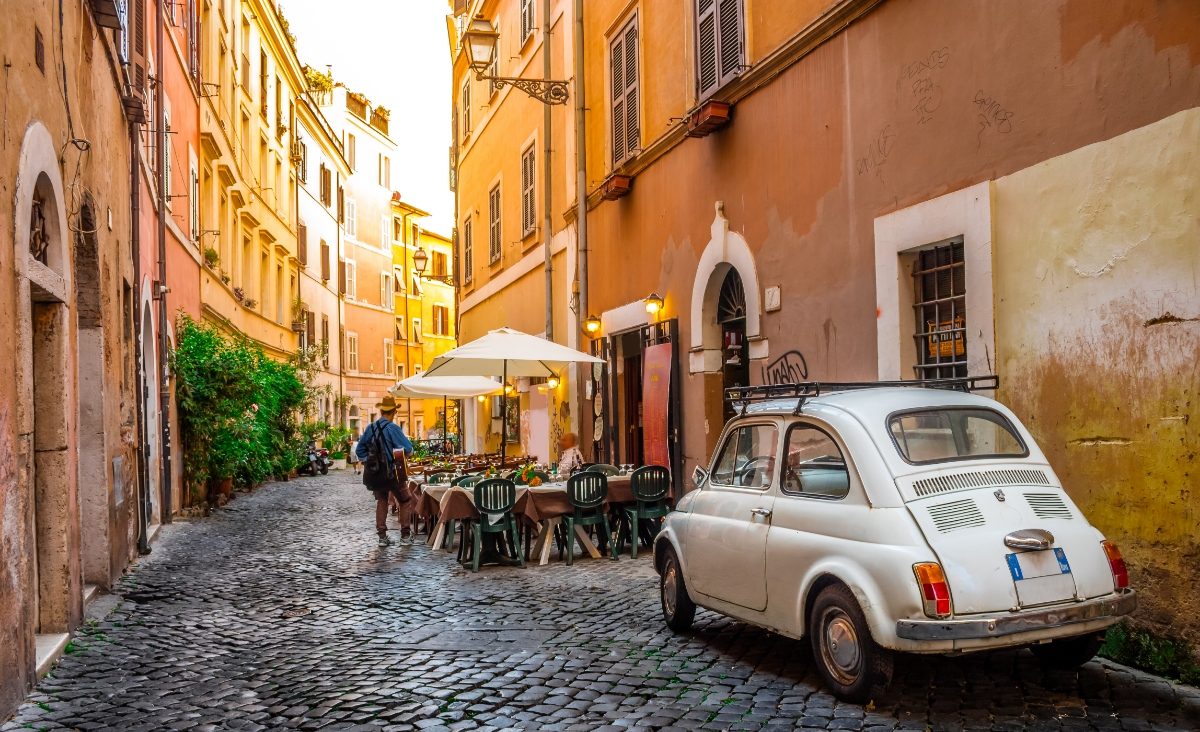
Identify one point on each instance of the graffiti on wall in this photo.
(920, 77)
(790, 368)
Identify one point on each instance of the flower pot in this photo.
(339, 464)
(225, 487)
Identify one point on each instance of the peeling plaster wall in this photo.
(1098, 331)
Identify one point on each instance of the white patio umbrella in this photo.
(458, 387)
(506, 352)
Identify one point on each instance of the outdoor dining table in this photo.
(546, 505)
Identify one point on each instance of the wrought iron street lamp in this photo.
(421, 261)
(480, 40)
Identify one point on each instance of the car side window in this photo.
(815, 465)
(747, 459)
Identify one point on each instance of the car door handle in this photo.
(764, 512)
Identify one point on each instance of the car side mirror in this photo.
(699, 475)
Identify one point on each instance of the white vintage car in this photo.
(878, 518)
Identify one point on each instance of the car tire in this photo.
(846, 655)
(677, 607)
(1069, 653)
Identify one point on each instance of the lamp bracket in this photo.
(546, 91)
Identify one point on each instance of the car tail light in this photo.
(1116, 563)
(935, 592)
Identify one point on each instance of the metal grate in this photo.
(940, 311)
(1048, 505)
(956, 515)
(979, 479)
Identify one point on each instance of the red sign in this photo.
(656, 389)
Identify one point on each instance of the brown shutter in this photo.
(706, 46)
(311, 327)
(324, 260)
(341, 277)
(632, 128)
(341, 205)
(302, 244)
(617, 58)
(139, 27)
(731, 38)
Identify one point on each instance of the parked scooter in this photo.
(316, 459)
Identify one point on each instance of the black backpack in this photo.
(378, 474)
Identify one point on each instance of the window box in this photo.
(616, 186)
(709, 117)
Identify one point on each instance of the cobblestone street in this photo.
(280, 612)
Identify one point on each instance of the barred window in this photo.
(940, 311)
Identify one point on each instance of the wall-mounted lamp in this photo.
(508, 389)
(552, 382)
(654, 303)
(592, 325)
(481, 398)
(480, 40)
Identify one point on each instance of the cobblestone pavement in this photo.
(280, 612)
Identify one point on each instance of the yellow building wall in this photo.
(1098, 332)
(248, 184)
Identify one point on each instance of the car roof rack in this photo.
(743, 396)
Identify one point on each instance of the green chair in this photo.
(439, 478)
(650, 486)
(604, 469)
(495, 497)
(587, 493)
(467, 481)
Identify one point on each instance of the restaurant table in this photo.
(545, 505)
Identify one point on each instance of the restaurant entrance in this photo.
(636, 398)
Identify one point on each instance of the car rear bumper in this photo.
(998, 626)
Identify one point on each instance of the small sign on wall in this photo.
(772, 299)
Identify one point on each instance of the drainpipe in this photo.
(343, 412)
(135, 241)
(408, 325)
(548, 217)
(581, 163)
(160, 287)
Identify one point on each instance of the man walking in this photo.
(379, 444)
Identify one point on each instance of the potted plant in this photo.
(211, 257)
(225, 277)
(239, 293)
(250, 303)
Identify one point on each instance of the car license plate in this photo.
(1041, 577)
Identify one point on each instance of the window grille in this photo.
(940, 311)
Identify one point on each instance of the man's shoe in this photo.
(384, 540)
(406, 538)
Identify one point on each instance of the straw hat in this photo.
(388, 404)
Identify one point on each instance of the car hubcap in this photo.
(840, 647)
(668, 589)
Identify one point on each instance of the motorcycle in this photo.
(316, 459)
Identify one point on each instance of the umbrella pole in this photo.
(445, 424)
(504, 415)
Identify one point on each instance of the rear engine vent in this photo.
(956, 515)
(979, 479)
(1048, 505)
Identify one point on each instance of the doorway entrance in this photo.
(731, 317)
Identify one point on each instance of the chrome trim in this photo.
(1029, 539)
(998, 626)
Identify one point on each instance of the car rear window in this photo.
(943, 435)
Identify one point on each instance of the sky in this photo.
(395, 52)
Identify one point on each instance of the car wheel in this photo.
(846, 655)
(1069, 653)
(678, 609)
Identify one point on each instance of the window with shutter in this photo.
(720, 53)
(351, 279)
(468, 251)
(528, 199)
(351, 218)
(494, 225)
(623, 55)
(466, 109)
(324, 260)
(325, 338)
(302, 244)
(341, 277)
(310, 328)
(527, 9)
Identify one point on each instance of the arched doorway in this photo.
(731, 319)
(45, 392)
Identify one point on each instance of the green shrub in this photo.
(1134, 646)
